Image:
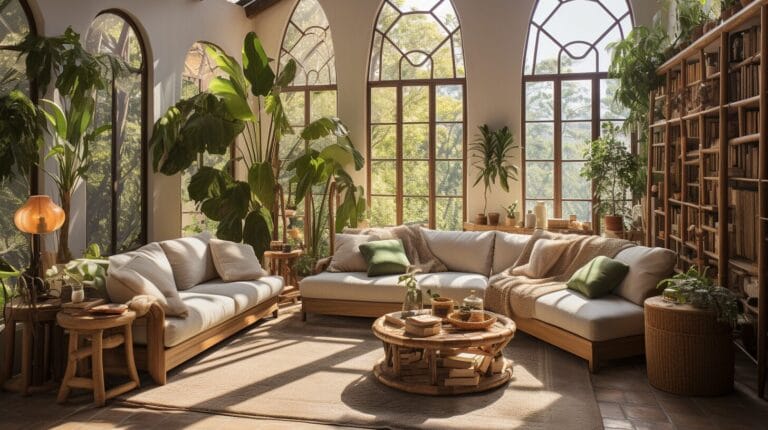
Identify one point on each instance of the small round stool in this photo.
(91, 327)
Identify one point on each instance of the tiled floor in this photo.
(626, 401)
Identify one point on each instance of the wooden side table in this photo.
(281, 264)
(92, 327)
(38, 345)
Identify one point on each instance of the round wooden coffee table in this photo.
(452, 362)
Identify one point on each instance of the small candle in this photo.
(78, 295)
(476, 315)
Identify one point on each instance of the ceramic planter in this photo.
(493, 218)
(481, 219)
(614, 223)
(442, 306)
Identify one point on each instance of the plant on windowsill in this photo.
(492, 151)
(615, 174)
(696, 288)
(513, 215)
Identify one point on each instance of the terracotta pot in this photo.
(481, 219)
(493, 218)
(510, 221)
(614, 223)
(442, 306)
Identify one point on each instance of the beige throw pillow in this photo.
(191, 260)
(147, 276)
(235, 261)
(507, 248)
(346, 253)
(647, 267)
(544, 255)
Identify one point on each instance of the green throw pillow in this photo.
(385, 257)
(598, 277)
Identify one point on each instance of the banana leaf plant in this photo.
(214, 120)
(325, 168)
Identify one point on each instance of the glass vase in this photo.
(413, 303)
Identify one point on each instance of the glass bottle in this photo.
(473, 302)
(413, 304)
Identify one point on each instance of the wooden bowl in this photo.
(455, 321)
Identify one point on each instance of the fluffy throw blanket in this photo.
(416, 248)
(516, 294)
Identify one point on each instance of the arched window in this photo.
(567, 96)
(417, 115)
(15, 25)
(199, 71)
(116, 184)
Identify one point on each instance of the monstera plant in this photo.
(213, 120)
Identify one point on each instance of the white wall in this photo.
(494, 33)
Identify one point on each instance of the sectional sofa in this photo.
(594, 329)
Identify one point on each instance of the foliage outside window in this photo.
(568, 97)
(115, 201)
(417, 115)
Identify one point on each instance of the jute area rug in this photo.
(320, 371)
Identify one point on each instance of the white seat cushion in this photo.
(358, 286)
(205, 311)
(606, 318)
(246, 294)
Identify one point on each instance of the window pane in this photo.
(582, 210)
(574, 186)
(323, 104)
(450, 141)
(129, 188)
(540, 141)
(309, 43)
(416, 178)
(621, 135)
(539, 180)
(609, 109)
(576, 138)
(416, 210)
(539, 101)
(450, 103)
(293, 103)
(449, 177)
(383, 141)
(576, 99)
(383, 105)
(415, 104)
(531, 204)
(383, 178)
(98, 187)
(383, 211)
(416, 141)
(449, 213)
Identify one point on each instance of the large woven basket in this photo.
(687, 351)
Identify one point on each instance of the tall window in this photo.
(567, 96)
(417, 115)
(115, 189)
(15, 24)
(199, 71)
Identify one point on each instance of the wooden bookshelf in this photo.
(708, 164)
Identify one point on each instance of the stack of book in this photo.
(423, 325)
(464, 369)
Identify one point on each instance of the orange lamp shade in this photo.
(39, 215)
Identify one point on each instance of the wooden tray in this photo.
(453, 318)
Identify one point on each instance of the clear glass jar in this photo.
(413, 303)
(472, 301)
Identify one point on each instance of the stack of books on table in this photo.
(464, 369)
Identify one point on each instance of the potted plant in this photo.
(492, 151)
(441, 306)
(616, 176)
(413, 303)
(513, 215)
(696, 288)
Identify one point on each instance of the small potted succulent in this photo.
(513, 215)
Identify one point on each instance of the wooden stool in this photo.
(281, 264)
(91, 326)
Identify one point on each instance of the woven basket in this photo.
(687, 351)
(490, 319)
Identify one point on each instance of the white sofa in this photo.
(594, 329)
(215, 309)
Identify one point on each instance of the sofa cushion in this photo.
(462, 251)
(146, 273)
(544, 256)
(235, 261)
(346, 253)
(507, 248)
(385, 257)
(598, 277)
(246, 294)
(606, 318)
(358, 286)
(190, 259)
(647, 267)
(205, 311)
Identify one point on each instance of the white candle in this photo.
(78, 295)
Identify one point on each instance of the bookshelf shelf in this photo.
(708, 163)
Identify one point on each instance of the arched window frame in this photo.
(144, 120)
(376, 82)
(595, 78)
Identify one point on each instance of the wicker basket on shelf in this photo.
(687, 350)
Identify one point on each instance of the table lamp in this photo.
(38, 216)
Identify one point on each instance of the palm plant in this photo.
(492, 152)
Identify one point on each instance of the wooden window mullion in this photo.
(399, 154)
(432, 155)
(558, 162)
(595, 135)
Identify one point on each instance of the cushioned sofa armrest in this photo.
(322, 265)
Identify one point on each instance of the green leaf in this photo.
(286, 75)
(257, 230)
(236, 102)
(262, 182)
(56, 117)
(230, 228)
(206, 183)
(256, 66)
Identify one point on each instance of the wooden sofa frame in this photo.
(593, 352)
(157, 360)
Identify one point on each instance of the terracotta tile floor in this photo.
(625, 398)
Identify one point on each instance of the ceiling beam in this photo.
(257, 6)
